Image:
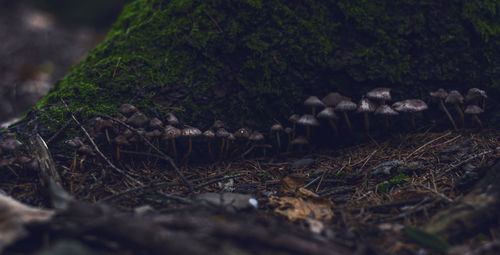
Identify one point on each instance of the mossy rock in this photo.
(252, 62)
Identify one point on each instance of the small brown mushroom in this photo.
(308, 121)
(138, 119)
(209, 136)
(455, 98)
(329, 114)
(190, 132)
(474, 110)
(277, 128)
(300, 141)
(333, 98)
(346, 106)
(380, 94)
(366, 106)
(441, 95)
(385, 111)
(170, 133)
(172, 119)
(128, 109)
(410, 106)
(313, 102)
(475, 94)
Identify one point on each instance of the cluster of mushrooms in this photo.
(375, 101)
(11, 155)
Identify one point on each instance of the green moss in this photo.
(255, 61)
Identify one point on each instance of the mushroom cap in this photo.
(209, 134)
(218, 124)
(346, 106)
(454, 97)
(473, 109)
(171, 132)
(440, 93)
(333, 98)
(410, 105)
(138, 119)
(121, 140)
(475, 93)
(75, 142)
(385, 110)
(313, 101)
(128, 109)
(308, 120)
(127, 133)
(365, 105)
(172, 119)
(155, 123)
(242, 133)
(231, 137)
(101, 123)
(299, 140)
(293, 118)
(277, 127)
(288, 130)
(190, 132)
(222, 132)
(383, 94)
(10, 143)
(256, 136)
(327, 113)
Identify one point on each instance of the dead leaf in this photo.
(306, 205)
(292, 182)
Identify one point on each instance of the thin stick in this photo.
(461, 163)
(97, 148)
(166, 157)
(423, 146)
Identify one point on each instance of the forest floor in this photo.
(372, 198)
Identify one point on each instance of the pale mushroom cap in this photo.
(155, 123)
(222, 132)
(293, 118)
(454, 97)
(365, 105)
(256, 136)
(440, 93)
(473, 109)
(333, 98)
(209, 133)
(327, 113)
(475, 93)
(346, 106)
(410, 105)
(288, 130)
(172, 119)
(171, 132)
(383, 94)
(242, 133)
(313, 101)
(299, 140)
(128, 109)
(138, 119)
(308, 120)
(75, 142)
(121, 140)
(218, 124)
(277, 127)
(190, 132)
(385, 110)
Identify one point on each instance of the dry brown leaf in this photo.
(306, 205)
(292, 182)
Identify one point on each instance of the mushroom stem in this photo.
(279, 141)
(484, 103)
(477, 120)
(460, 114)
(289, 146)
(367, 123)
(441, 103)
(190, 148)
(174, 147)
(348, 122)
(334, 127)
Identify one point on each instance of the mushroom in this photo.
(329, 114)
(242, 134)
(441, 95)
(256, 137)
(410, 106)
(474, 110)
(128, 109)
(138, 119)
(380, 94)
(366, 106)
(309, 121)
(101, 124)
(313, 102)
(190, 132)
(218, 124)
(474, 94)
(300, 141)
(277, 128)
(386, 111)
(172, 119)
(346, 106)
(455, 98)
(171, 133)
(156, 123)
(333, 98)
(294, 118)
(209, 136)
(223, 134)
(10, 143)
(120, 140)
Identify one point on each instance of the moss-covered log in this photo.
(249, 62)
